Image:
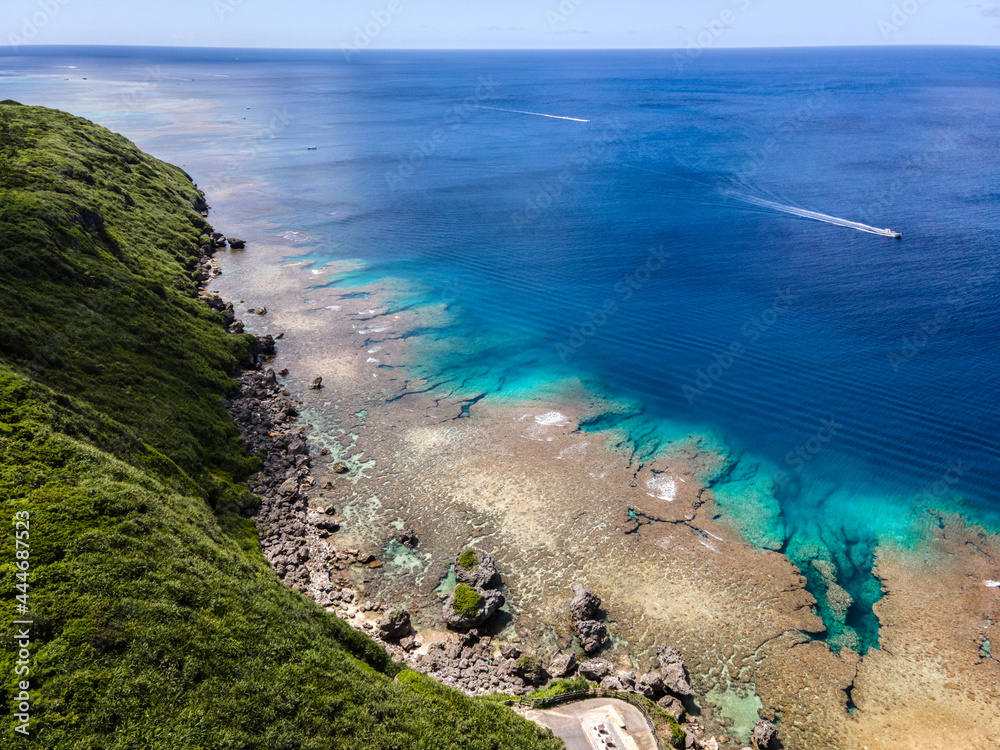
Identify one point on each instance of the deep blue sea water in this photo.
(853, 378)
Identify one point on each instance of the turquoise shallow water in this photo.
(851, 379)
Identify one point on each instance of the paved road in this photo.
(566, 722)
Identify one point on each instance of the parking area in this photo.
(597, 724)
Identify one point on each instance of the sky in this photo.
(545, 24)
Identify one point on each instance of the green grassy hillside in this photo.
(156, 621)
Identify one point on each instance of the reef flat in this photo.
(556, 505)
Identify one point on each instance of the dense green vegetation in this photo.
(665, 724)
(468, 601)
(156, 621)
(468, 559)
(577, 684)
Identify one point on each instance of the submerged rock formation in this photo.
(408, 538)
(764, 736)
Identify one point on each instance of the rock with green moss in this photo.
(467, 601)
(467, 560)
(477, 569)
(468, 607)
(678, 737)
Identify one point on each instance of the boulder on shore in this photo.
(595, 669)
(561, 665)
(394, 624)
(529, 669)
(584, 605)
(672, 706)
(509, 651)
(592, 635)
(267, 345)
(612, 682)
(650, 685)
(672, 672)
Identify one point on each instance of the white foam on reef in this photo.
(581, 449)
(549, 419)
(372, 359)
(993, 584)
(294, 236)
(552, 419)
(662, 488)
(375, 349)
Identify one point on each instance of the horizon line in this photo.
(18, 48)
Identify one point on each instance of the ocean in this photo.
(679, 233)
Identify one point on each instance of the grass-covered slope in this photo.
(157, 622)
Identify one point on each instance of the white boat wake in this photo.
(536, 114)
(816, 216)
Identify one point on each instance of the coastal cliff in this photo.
(155, 621)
